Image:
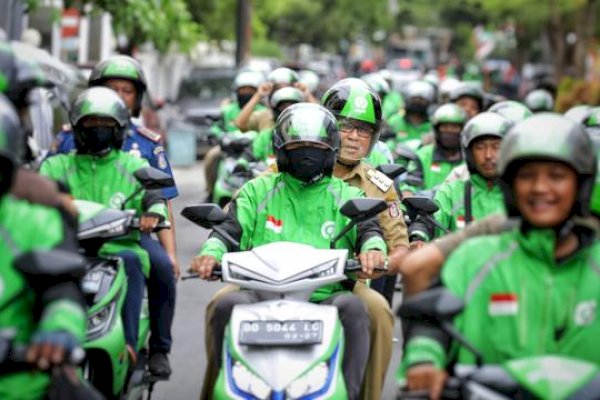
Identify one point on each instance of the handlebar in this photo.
(135, 224)
(216, 273)
(12, 358)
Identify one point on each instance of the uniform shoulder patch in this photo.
(147, 133)
(379, 179)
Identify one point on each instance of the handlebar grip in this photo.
(215, 273)
(135, 224)
(352, 265)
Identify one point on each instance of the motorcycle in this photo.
(107, 363)
(541, 376)
(283, 347)
(235, 167)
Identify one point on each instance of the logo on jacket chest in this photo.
(328, 230)
(585, 313)
(116, 201)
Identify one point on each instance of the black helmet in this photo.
(353, 99)
(529, 140)
(99, 102)
(468, 89)
(307, 123)
(11, 143)
(121, 67)
(482, 125)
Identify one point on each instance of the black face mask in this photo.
(243, 99)
(449, 141)
(97, 141)
(307, 163)
(416, 108)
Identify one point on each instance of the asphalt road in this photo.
(187, 356)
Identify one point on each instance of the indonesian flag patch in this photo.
(503, 304)
(435, 167)
(274, 224)
(460, 222)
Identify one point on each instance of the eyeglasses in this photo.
(364, 132)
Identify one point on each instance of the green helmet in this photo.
(592, 128)
(248, 78)
(310, 79)
(511, 110)
(593, 118)
(121, 67)
(352, 98)
(448, 114)
(539, 100)
(377, 83)
(99, 102)
(285, 95)
(578, 113)
(306, 123)
(283, 75)
(482, 125)
(468, 89)
(11, 143)
(528, 140)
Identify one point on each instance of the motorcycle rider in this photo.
(359, 130)
(539, 100)
(463, 201)
(45, 312)
(125, 76)
(100, 171)
(306, 140)
(262, 145)
(246, 85)
(250, 119)
(547, 184)
(469, 97)
(414, 123)
(436, 160)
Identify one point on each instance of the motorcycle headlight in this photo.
(249, 383)
(309, 383)
(99, 322)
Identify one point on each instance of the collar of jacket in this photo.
(439, 156)
(484, 184)
(88, 158)
(297, 186)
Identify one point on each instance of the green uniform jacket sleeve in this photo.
(444, 199)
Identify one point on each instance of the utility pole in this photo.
(11, 20)
(243, 32)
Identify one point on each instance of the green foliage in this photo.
(165, 23)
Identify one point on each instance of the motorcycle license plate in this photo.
(281, 333)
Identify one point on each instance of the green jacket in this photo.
(262, 145)
(278, 207)
(393, 104)
(406, 131)
(379, 155)
(450, 197)
(108, 180)
(520, 301)
(432, 169)
(25, 227)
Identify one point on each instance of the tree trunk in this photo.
(556, 34)
(584, 27)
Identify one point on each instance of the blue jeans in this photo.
(133, 299)
(161, 295)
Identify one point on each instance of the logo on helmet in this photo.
(360, 104)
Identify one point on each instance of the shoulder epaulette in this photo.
(379, 179)
(147, 133)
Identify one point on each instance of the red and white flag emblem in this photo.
(274, 224)
(435, 167)
(460, 222)
(503, 304)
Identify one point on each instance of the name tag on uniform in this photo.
(503, 304)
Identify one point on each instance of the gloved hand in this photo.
(50, 348)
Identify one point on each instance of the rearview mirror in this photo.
(51, 263)
(420, 204)
(204, 215)
(152, 178)
(405, 152)
(392, 171)
(359, 210)
(435, 305)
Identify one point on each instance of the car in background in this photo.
(201, 96)
(403, 71)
